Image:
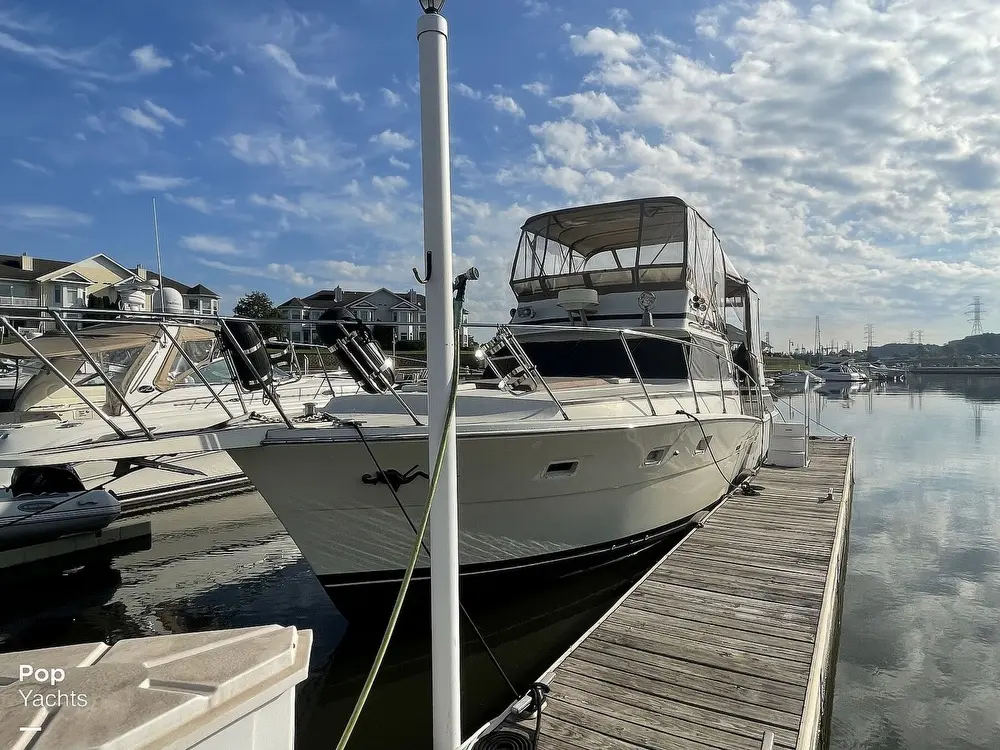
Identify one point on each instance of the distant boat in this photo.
(797, 377)
(839, 371)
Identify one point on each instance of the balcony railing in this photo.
(19, 302)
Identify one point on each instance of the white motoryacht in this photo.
(613, 413)
(839, 371)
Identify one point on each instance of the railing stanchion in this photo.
(687, 366)
(722, 385)
(638, 376)
(100, 372)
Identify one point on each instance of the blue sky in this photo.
(846, 158)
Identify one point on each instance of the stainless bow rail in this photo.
(751, 393)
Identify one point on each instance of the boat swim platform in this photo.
(91, 548)
(729, 642)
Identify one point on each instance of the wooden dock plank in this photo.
(729, 636)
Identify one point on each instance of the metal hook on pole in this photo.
(427, 269)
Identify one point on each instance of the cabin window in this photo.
(606, 358)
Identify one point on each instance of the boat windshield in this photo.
(599, 356)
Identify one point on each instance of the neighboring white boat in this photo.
(798, 377)
(839, 372)
(614, 416)
(173, 375)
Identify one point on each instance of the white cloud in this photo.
(535, 8)
(152, 182)
(275, 271)
(391, 98)
(537, 88)
(506, 104)
(353, 98)
(607, 44)
(42, 216)
(467, 91)
(140, 119)
(284, 58)
(846, 157)
(398, 163)
(620, 16)
(210, 243)
(275, 149)
(163, 113)
(390, 184)
(31, 166)
(392, 140)
(590, 105)
(279, 203)
(201, 204)
(148, 60)
(238, 70)
(94, 123)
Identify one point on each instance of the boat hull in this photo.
(530, 500)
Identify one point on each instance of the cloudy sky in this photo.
(845, 151)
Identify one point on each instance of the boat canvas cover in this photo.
(101, 338)
(650, 226)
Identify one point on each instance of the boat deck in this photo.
(730, 641)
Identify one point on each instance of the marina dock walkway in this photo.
(731, 640)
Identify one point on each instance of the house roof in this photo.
(169, 283)
(10, 267)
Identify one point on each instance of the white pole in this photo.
(432, 43)
(156, 241)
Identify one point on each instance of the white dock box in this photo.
(211, 691)
(789, 445)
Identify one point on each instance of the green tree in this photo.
(257, 304)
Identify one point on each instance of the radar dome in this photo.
(170, 301)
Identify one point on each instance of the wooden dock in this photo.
(729, 642)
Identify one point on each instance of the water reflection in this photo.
(920, 650)
(228, 564)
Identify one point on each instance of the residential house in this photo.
(407, 311)
(26, 281)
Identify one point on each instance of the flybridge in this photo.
(647, 244)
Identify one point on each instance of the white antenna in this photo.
(159, 267)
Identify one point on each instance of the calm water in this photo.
(920, 649)
(919, 659)
(228, 564)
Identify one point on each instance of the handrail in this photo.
(635, 369)
(743, 379)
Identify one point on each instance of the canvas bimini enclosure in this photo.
(649, 263)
